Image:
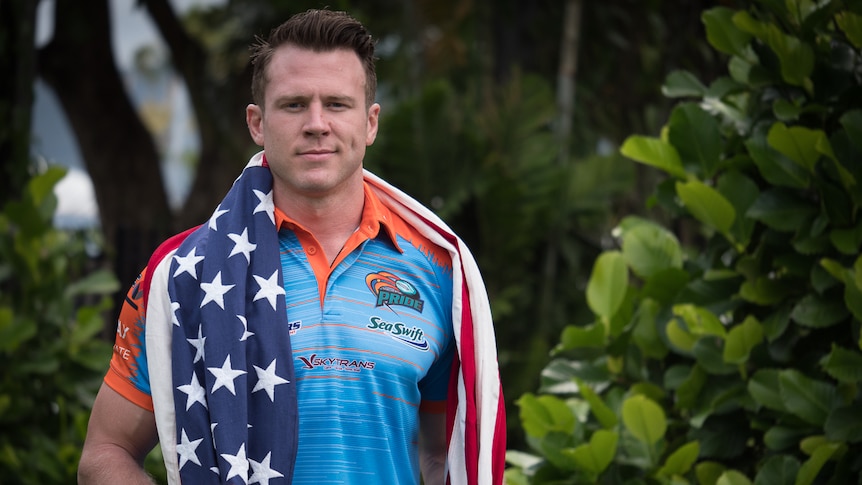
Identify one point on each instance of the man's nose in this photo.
(316, 123)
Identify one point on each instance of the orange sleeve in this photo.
(128, 373)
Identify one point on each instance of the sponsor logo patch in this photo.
(413, 337)
(315, 361)
(393, 291)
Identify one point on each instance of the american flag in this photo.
(235, 419)
(234, 391)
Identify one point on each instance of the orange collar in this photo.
(374, 216)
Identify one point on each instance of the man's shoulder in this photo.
(165, 248)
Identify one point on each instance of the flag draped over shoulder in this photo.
(219, 356)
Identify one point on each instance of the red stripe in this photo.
(166, 247)
(468, 369)
(498, 457)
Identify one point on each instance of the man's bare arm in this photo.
(119, 436)
(432, 447)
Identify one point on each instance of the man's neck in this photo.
(331, 220)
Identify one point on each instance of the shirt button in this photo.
(312, 250)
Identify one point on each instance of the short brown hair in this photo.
(321, 31)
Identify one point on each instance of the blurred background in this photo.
(506, 117)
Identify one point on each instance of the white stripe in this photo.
(158, 329)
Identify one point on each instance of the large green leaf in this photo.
(697, 138)
(707, 205)
(15, 331)
(645, 333)
(545, 414)
(733, 477)
(588, 336)
(809, 399)
(741, 192)
(608, 284)
(649, 248)
(681, 460)
(812, 466)
(844, 424)
(765, 290)
(691, 388)
(42, 187)
(796, 56)
(781, 210)
(818, 311)
(679, 84)
(709, 354)
(644, 419)
(776, 168)
(851, 24)
(679, 336)
(700, 321)
(595, 457)
(708, 472)
(741, 340)
(843, 364)
(654, 152)
(778, 438)
(102, 282)
(764, 386)
(778, 470)
(797, 143)
(605, 415)
(723, 34)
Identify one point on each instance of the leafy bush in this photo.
(727, 350)
(50, 353)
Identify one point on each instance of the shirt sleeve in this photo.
(127, 373)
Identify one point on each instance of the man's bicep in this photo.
(432, 447)
(116, 421)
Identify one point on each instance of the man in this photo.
(321, 327)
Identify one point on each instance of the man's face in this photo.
(314, 125)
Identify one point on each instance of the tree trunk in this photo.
(17, 56)
(219, 107)
(566, 77)
(118, 151)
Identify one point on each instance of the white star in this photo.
(265, 205)
(269, 288)
(212, 432)
(187, 263)
(238, 464)
(187, 452)
(267, 380)
(195, 392)
(175, 305)
(225, 375)
(261, 472)
(198, 343)
(245, 333)
(215, 291)
(242, 245)
(213, 220)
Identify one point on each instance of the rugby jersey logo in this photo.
(391, 290)
(412, 337)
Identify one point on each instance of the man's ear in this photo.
(372, 124)
(254, 120)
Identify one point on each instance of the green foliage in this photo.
(727, 351)
(51, 311)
